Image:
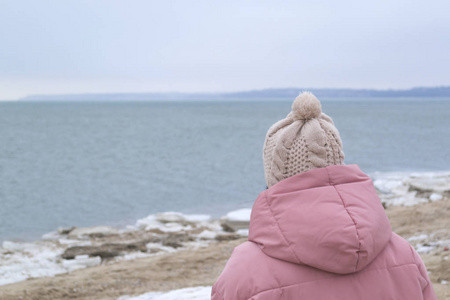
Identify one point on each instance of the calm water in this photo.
(83, 164)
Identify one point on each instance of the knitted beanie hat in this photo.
(306, 139)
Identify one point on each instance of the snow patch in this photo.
(192, 293)
(435, 197)
(85, 232)
(243, 232)
(81, 262)
(171, 222)
(240, 215)
(428, 247)
(207, 235)
(402, 189)
(418, 237)
(19, 261)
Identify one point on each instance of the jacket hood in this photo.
(329, 218)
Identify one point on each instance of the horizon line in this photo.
(232, 92)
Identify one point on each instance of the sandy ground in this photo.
(201, 267)
(428, 219)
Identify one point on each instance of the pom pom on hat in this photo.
(306, 106)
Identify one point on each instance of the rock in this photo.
(227, 237)
(174, 227)
(104, 251)
(434, 184)
(65, 230)
(96, 231)
(51, 236)
(389, 185)
(235, 220)
(56, 235)
(81, 261)
(233, 226)
(155, 231)
(176, 240)
(164, 222)
(170, 217)
(173, 243)
(408, 199)
(175, 217)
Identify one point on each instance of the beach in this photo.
(176, 256)
(135, 138)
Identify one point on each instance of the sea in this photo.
(65, 164)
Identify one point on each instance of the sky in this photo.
(109, 46)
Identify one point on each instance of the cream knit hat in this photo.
(306, 139)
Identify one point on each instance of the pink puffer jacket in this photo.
(323, 234)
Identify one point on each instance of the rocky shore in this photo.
(70, 249)
(170, 251)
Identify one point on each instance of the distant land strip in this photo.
(278, 93)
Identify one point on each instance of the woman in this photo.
(319, 231)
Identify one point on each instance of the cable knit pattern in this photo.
(306, 139)
(297, 160)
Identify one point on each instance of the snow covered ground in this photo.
(408, 189)
(240, 215)
(425, 243)
(172, 231)
(193, 293)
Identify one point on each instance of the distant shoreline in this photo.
(279, 93)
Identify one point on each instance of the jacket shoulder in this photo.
(236, 280)
(398, 252)
(399, 255)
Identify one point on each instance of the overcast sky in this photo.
(78, 46)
